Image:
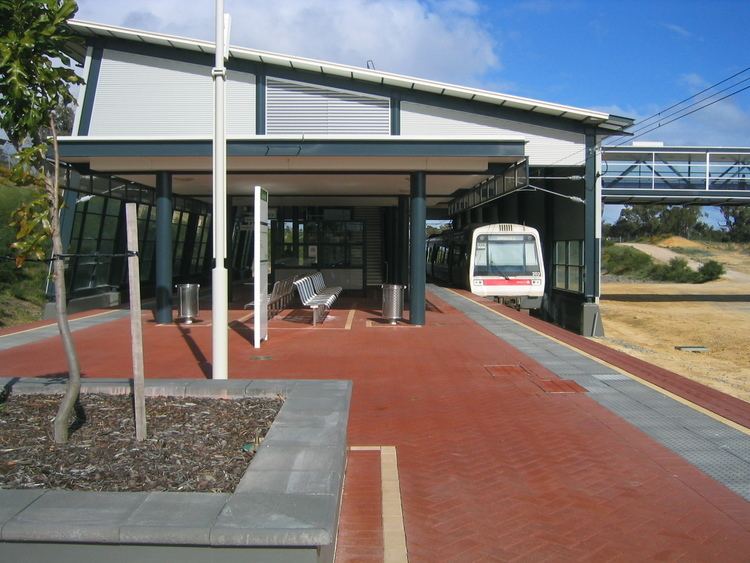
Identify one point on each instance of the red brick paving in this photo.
(720, 403)
(361, 539)
(491, 466)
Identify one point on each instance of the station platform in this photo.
(483, 435)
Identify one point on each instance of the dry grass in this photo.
(648, 320)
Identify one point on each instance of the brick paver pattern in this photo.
(494, 465)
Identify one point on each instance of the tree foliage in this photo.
(35, 79)
(644, 221)
(737, 223)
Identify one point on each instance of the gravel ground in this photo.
(192, 444)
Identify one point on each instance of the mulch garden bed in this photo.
(193, 444)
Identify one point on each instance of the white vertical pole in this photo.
(708, 170)
(219, 297)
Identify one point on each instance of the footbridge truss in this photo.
(676, 175)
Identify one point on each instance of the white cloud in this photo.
(723, 124)
(678, 30)
(439, 40)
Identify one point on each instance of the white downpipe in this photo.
(219, 277)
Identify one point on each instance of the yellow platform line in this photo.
(244, 318)
(394, 534)
(349, 319)
(678, 398)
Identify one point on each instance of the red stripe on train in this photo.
(503, 281)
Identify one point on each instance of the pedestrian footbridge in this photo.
(676, 175)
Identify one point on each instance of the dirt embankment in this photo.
(648, 320)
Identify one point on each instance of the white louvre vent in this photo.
(296, 107)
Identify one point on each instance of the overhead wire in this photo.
(658, 113)
(686, 114)
(640, 125)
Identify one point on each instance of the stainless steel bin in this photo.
(187, 294)
(393, 302)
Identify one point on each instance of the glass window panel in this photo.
(560, 252)
(505, 255)
(113, 207)
(574, 253)
(332, 256)
(106, 245)
(356, 256)
(100, 184)
(101, 273)
(312, 232)
(83, 276)
(147, 252)
(337, 214)
(109, 227)
(356, 232)
(334, 233)
(87, 245)
(574, 278)
(92, 226)
(560, 277)
(288, 232)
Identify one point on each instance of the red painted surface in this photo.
(491, 466)
(503, 281)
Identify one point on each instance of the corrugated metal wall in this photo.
(373, 219)
(296, 107)
(545, 145)
(147, 96)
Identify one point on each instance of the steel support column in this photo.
(163, 247)
(591, 322)
(402, 244)
(417, 239)
(592, 228)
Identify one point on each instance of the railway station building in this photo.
(355, 162)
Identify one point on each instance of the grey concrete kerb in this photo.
(289, 497)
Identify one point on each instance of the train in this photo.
(501, 260)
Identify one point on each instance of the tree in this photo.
(737, 222)
(35, 77)
(647, 220)
(638, 221)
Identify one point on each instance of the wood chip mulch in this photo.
(193, 444)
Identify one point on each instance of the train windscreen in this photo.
(504, 255)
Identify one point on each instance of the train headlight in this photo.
(536, 282)
(478, 282)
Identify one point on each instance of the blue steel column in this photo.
(591, 238)
(402, 245)
(417, 273)
(163, 247)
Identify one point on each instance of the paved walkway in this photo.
(510, 446)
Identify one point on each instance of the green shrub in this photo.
(711, 270)
(626, 261)
(676, 271)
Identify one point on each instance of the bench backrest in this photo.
(318, 282)
(305, 289)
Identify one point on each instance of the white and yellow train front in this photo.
(506, 263)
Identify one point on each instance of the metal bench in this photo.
(320, 285)
(279, 298)
(320, 303)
